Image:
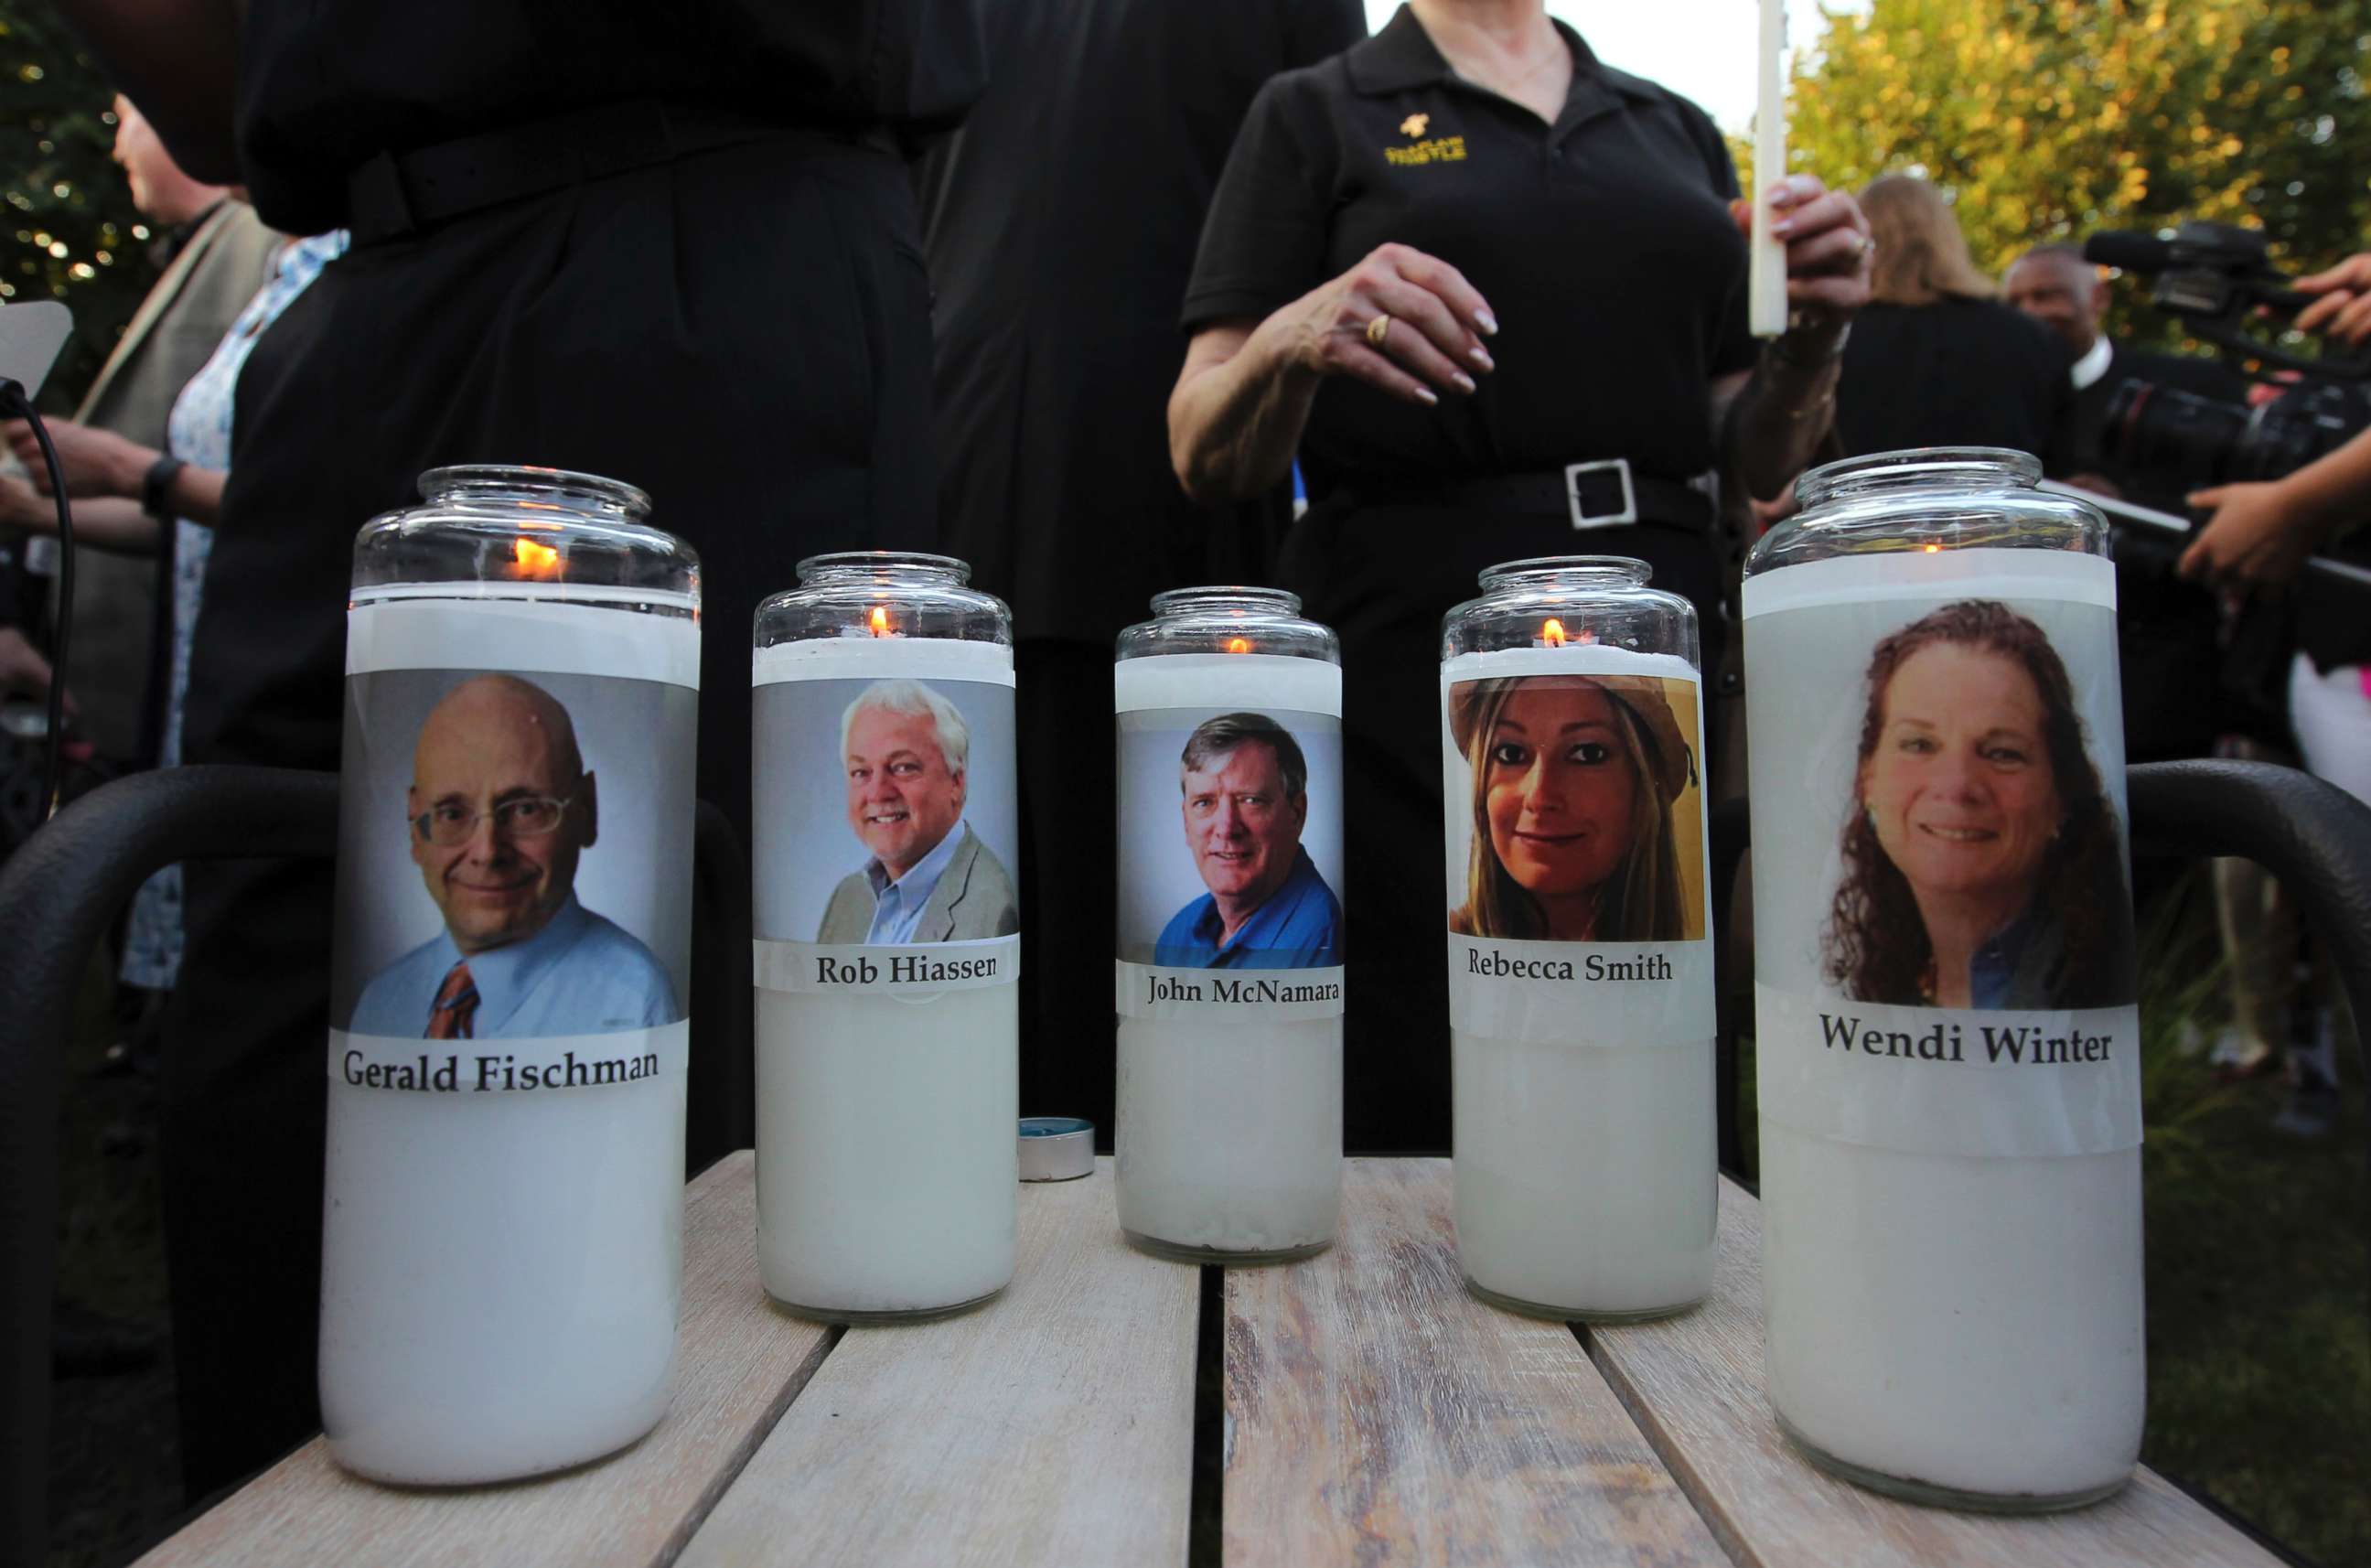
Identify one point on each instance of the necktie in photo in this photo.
(455, 1005)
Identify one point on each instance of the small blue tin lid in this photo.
(1057, 1148)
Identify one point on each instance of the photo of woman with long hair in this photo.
(1982, 866)
(1575, 780)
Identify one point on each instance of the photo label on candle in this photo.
(886, 833)
(1575, 869)
(1230, 864)
(513, 879)
(1944, 950)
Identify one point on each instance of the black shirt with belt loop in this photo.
(1602, 243)
(323, 87)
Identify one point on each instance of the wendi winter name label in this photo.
(509, 1066)
(1581, 992)
(920, 969)
(1226, 996)
(1963, 1081)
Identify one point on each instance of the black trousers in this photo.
(745, 334)
(1069, 873)
(1384, 577)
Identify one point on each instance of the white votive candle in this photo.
(1229, 1138)
(504, 1208)
(1579, 954)
(1766, 298)
(887, 1050)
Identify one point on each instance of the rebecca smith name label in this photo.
(1602, 993)
(920, 969)
(1953, 1081)
(508, 1066)
(1222, 996)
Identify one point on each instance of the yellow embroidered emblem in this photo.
(1439, 149)
(1414, 124)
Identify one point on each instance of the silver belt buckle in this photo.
(1581, 519)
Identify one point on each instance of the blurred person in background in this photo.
(214, 253)
(2257, 537)
(1060, 222)
(1492, 292)
(1934, 360)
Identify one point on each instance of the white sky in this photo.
(1701, 49)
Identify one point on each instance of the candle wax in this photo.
(499, 1277)
(1230, 1136)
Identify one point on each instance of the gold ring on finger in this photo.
(1378, 330)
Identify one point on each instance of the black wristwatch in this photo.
(157, 490)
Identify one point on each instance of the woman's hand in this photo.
(2343, 311)
(95, 462)
(2259, 536)
(24, 672)
(1433, 339)
(22, 507)
(1829, 251)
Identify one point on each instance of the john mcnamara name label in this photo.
(918, 969)
(1223, 996)
(508, 1066)
(1581, 994)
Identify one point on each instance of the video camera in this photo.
(2215, 278)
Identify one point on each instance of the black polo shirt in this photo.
(1602, 243)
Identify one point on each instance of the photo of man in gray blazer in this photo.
(906, 753)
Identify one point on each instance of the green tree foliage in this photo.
(67, 228)
(2051, 119)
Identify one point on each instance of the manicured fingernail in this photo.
(1782, 227)
(1465, 382)
(1488, 322)
(1481, 356)
(1427, 396)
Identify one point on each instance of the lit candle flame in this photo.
(1933, 548)
(1552, 633)
(1239, 644)
(536, 560)
(880, 621)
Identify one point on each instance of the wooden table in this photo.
(1373, 1412)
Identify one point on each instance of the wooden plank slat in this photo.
(1377, 1413)
(740, 1365)
(1694, 1384)
(1054, 1425)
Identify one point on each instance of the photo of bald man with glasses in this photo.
(500, 808)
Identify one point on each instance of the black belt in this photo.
(398, 194)
(1601, 494)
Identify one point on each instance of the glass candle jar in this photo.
(1580, 980)
(1946, 1043)
(1229, 981)
(888, 952)
(502, 1241)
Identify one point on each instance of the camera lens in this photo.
(2188, 440)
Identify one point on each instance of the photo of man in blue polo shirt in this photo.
(1245, 789)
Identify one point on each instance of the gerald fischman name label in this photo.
(497, 1074)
